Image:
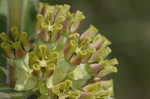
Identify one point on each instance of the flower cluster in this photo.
(56, 21)
(61, 63)
(64, 90)
(16, 44)
(43, 62)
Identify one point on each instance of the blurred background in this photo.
(127, 24)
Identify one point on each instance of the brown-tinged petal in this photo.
(76, 60)
(44, 35)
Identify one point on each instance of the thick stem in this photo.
(49, 94)
(14, 13)
(28, 8)
(14, 20)
(11, 80)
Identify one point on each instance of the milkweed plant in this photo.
(59, 62)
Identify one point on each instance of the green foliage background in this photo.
(126, 23)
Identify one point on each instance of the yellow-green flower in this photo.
(62, 63)
(15, 44)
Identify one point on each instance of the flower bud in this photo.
(76, 60)
(19, 52)
(86, 95)
(44, 35)
(7, 49)
(95, 68)
(4, 37)
(25, 41)
(78, 17)
(89, 33)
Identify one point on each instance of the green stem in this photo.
(14, 13)
(14, 20)
(17, 17)
(28, 13)
(50, 94)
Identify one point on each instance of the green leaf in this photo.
(8, 93)
(80, 76)
(3, 7)
(2, 59)
(80, 72)
(24, 78)
(43, 88)
(3, 70)
(3, 15)
(49, 82)
(61, 71)
(43, 97)
(2, 76)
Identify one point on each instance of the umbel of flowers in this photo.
(59, 62)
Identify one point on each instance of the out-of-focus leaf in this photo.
(43, 97)
(3, 7)
(2, 77)
(3, 23)
(3, 27)
(3, 14)
(7, 93)
(3, 70)
(2, 59)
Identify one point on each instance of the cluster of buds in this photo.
(89, 49)
(64, 90)
(98, 90)
(43, 62)
(56, 21)
(15, 44)
(69, 64)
